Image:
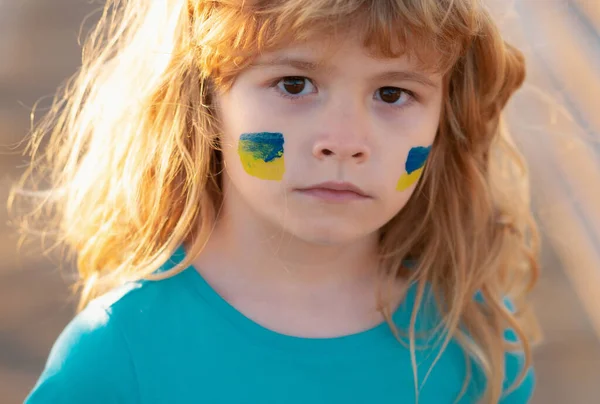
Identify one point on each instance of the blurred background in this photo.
(555, 119)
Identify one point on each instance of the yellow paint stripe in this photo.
(273, 170)
(406, 180)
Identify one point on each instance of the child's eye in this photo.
(295, 86)
(394, 95)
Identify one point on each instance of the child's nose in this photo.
(338, 149)
(343, 134)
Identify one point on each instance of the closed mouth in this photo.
(339, 189)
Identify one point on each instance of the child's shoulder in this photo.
(147, 300)
(96, 352)
(516, 390)
(135, 299)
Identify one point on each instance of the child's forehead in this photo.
(330, 49)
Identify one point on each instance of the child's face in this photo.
(304, 116)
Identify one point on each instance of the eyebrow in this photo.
(287, 61)
(308, 66)
(406, 75)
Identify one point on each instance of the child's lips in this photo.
(335, 192)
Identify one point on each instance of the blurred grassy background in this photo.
(555, 119)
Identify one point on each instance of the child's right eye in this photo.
(295, 86)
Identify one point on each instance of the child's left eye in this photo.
(393, 95)
(295, 86)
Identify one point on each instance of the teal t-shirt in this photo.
(178, 341)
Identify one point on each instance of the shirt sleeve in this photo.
(89, 363)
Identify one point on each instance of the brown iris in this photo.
(294, 85)
(390, 94)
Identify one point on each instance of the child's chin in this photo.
(328, 234)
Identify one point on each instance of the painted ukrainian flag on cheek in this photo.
(261, 155)
(415, 162)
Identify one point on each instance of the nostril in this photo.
(327, 152)
(357, 155)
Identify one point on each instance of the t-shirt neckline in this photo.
(373, 341)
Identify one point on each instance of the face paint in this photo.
(415, 162)
(261, 155)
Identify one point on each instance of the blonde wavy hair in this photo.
(134, 169)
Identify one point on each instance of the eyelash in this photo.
(274, 85)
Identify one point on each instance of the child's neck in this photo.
(252, 248)
(267, 273)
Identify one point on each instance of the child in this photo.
(292, 201)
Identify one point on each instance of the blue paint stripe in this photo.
(417, 156)
(266, 146)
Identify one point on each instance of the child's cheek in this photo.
(261, 155)
(415, 162)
